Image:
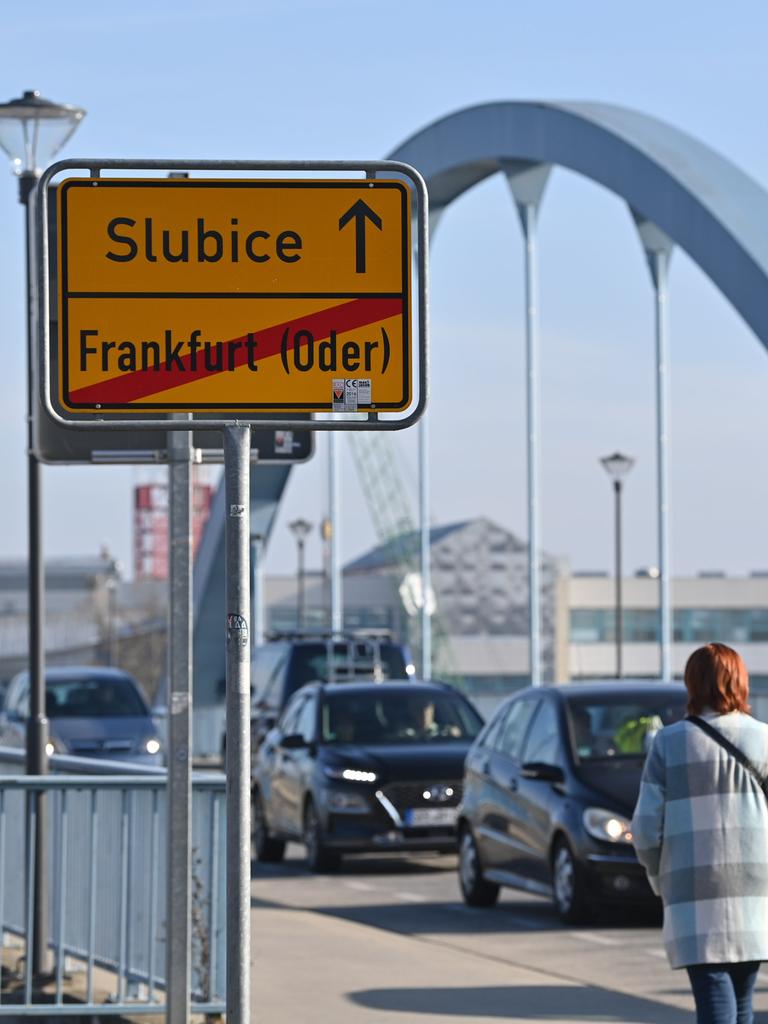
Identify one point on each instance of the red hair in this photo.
(716, 677)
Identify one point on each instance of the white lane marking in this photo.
(600, 940)
(656, 952)
(410, 897)
(359, 886)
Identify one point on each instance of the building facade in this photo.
(479, 573)
(92, 616)
(480, 582)
(730, 609)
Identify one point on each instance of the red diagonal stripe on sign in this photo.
(130, 387)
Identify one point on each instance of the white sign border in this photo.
(370, 168)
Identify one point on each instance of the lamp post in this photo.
(617, 466)
(32, 131)
(110, 585)
(257, 590)
(300, 529)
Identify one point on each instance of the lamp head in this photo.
(301, 529)
(617, 465)
(34, 129)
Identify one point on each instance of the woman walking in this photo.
(701, 831)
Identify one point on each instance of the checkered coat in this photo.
(700, 829)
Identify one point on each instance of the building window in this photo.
(592, 626)
(370, 617)
(283, 618)
(689, 625)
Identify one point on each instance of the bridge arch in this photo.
(679, 191)
(703, 202)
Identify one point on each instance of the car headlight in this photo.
(606, 825)
(349, 774)
(346, 801)
(152, 745)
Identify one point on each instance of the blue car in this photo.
(92, 712)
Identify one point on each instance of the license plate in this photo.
(420, 817)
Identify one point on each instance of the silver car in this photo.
(93, 712)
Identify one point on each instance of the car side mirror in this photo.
(544, 772)
(293, 741)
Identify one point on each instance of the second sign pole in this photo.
(237, 447)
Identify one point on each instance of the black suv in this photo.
(287, 662)
(360, 767)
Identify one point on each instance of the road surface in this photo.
(389, 941)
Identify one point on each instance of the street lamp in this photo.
(257, 590)
(617, 466)
(32, 131)
(110, 585)
(300, 529)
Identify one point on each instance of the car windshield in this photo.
(345, 660)
(619, 726)
(395, 717)
(93, 697)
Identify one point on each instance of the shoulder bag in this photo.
(733, 750)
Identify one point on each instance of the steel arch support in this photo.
(701, 201)
(658, 248)
(676, 187)
(527, 183)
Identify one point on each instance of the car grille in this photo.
(100, 748)
(405, 795)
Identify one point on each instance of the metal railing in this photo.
(106, 870)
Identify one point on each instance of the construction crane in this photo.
(394, 522)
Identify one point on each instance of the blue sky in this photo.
(317, 79)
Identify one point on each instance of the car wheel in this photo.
(477, 892)
(568, 890)
(319, 857)
(267, 849)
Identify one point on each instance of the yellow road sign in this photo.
(234, 295)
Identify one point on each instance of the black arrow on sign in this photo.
(360, 212)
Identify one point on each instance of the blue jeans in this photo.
(723, 992)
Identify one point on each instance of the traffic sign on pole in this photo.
(268, 298)
(234, 295)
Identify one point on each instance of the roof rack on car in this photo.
(362, 658)
(382, 635)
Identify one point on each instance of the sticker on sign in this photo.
(351, 395)
(234, 295)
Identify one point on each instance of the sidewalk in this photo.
(339, 980)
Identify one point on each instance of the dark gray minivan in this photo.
(549, 789)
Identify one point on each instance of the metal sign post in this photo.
(178, 946)
(237, 444)
(223, 297)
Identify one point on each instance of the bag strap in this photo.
(732, 749)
